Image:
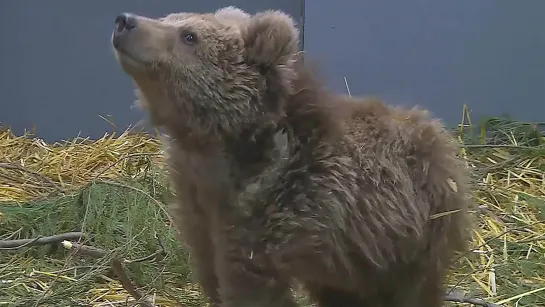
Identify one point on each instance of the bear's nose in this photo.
(125, 22)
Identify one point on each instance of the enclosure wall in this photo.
(58, 74)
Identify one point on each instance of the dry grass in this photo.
(70, 164)
(115, 188)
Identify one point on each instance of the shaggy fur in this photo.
(280, 181)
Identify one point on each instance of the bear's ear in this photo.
(232, 16)
(271, 38)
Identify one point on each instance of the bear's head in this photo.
(212, 74)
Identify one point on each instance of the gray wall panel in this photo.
(438, 54)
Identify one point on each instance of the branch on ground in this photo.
(17, 244)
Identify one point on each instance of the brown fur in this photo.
(281, 181)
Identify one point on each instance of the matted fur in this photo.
(279, 180)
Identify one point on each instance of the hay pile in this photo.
(115, 189)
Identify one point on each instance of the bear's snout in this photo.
(125, 23)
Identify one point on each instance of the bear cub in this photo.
(280, 181)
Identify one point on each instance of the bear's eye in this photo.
(190, 38)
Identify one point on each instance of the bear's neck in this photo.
(312, 122)
(313, 114)
(312, 118)
(253, 150)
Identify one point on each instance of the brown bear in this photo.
(281, 181)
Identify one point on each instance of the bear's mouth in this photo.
(127, 60)
(124, 56)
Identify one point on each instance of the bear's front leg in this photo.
(195, 232)
(202, 262)
(246, 277)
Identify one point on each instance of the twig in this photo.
(87, 250)
(10, 179)
(159, 241)
(530, 240)
(499, 146)
(117, 267)
(469, 300)
(13, 166)
(147, 258)
(98, 252)
(12, 235)
(17, 244)
(347, 88)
